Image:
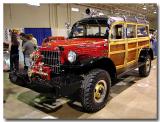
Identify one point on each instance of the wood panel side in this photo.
(143, 43)
(117, 47)
(132, 45)
(131, 55)
(118, 58)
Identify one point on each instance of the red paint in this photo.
(84, 47)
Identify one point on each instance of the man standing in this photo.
(155, 43)
(33, 40)
(14, 52)
(28, 49)
(23, 40)
(153, 40)
(22, 37)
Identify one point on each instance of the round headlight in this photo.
(72, 56)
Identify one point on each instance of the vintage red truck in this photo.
(97, 52)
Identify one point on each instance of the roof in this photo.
(110, 20)
(94, 20)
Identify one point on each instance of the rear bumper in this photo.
(59, 86)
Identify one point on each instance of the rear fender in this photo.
(143, 54)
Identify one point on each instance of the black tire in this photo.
(88, 90)
(144, 70)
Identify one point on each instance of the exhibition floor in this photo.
(132, 97)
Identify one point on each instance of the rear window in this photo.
(142, 31)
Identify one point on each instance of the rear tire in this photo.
(95, 90)
(144, 70)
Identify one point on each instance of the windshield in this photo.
(90, 28)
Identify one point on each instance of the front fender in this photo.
(86, 65)
(81, 66)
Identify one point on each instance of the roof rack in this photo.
(128, 19)
(95, 14)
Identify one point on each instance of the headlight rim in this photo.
(73, 55)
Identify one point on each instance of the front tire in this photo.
(144, 70)
(95, 90)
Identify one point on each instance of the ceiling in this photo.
(138, 10)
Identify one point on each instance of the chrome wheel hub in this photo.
(100, 91)
(147, 65)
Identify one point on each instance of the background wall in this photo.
(21, 15)
(47, 15)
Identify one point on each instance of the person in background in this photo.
(28, 49)
(22, 37)
(155, 42)
(46, 40)
(33, 40)
(24, 40)
(151, 39)
(14, 52)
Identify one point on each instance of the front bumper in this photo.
(59, 86)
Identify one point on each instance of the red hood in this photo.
(72, 42)
(84, 47)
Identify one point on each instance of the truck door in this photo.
(142, 37)
(132, 44)
(117, 45)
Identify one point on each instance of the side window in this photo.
(117, 32)
(105, 31)
(142, 31)
(78, 31)
(131, 31)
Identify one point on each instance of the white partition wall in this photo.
(48, 16)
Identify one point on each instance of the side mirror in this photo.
(68, 27)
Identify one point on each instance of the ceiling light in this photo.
(101, 14)
(144, 8)
(154, 12)
(34, 4)
(75, 9)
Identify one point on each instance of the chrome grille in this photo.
(51, 58)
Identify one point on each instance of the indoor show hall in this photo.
(80, 61)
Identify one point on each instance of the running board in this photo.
(130, 69)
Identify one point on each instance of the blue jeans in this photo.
(28, 61)
(14, 62)
(155, 50)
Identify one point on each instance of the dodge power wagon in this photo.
(97, 51)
